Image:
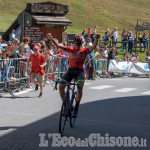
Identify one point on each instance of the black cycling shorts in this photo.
(73, 73)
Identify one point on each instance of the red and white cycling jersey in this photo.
(76, 57)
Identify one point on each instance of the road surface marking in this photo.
(101, 87)
(17, 93)
(146, 93)
(87, 83)
(125, 90)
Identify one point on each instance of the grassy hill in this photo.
(87, 13)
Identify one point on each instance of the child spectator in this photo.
(117, 57)
(132, 58)
(126, 56)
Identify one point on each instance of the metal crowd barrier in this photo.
(55, 68)
(14, 74)
(101, 70)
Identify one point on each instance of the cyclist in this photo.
(77, 56)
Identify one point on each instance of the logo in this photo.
(146, 67)
(81, 56)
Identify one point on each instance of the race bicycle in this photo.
(68, 106)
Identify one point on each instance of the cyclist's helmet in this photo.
(78, 39)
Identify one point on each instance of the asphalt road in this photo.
(119, 107)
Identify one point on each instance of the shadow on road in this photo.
(126, 116)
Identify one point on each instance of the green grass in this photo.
(142, 55)
(87, 13)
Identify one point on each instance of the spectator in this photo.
(25, 53)
(1, 49)
(97, 62)
(43, 47)
(111, 56)
(31, 44)
(137, 56)
(89, 42)
(126, 56)
(85, 36)
(107, 34)
(144, 41)
(86, 67)
(130, 42)
(105, 57)
(64, 61)
(50, 61)
(95, 28)
(114, 36)
(12, 35)
(148, 59)
(54, 60)
(39, 45)
(132, 58)
(11, 50)
(25, 48)
(124, 38)
(135, 35)
(117, 57)
(92, 36)
(38, 62)
(106, 39)
(139, 37)
(88, 33)
(91, 60)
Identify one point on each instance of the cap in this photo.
(115, 28)
(107, 29)
(36, 47)
(144, 33)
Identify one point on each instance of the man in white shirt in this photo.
(114, 36)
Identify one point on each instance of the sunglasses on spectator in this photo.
(34, 49)
(9, 45)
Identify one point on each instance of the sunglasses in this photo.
(9, 45)
(35, 50)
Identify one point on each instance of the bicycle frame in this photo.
(70, 102)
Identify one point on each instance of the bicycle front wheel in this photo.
(72, 117)
(63, 117)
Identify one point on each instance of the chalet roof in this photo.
(43, 13)
(53, 20)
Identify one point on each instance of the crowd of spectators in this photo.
(57, 58)
(106, 54)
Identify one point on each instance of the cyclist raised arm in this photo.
(91, 48)
(50, 37)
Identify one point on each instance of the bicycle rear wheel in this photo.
(63, 117)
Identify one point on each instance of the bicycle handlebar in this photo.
(58, 81)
